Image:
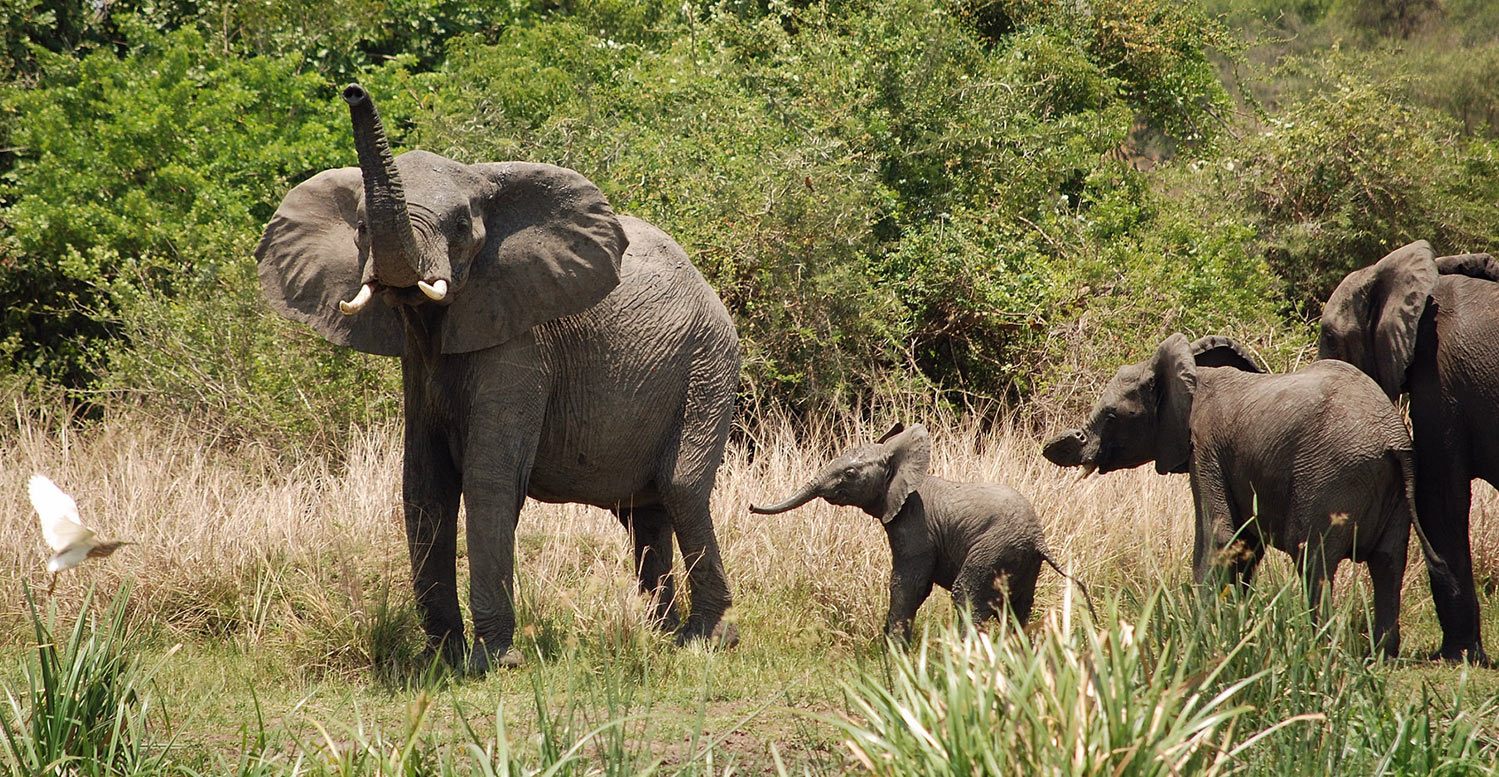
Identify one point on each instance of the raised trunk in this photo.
(392, 243)
(807, 494)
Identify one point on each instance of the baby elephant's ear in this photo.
(910, 452)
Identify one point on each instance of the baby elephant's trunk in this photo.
(807, 494)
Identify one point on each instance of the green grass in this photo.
(1174, 681)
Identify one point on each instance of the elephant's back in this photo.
(649, 371)
(1325, 399)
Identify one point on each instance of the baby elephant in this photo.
(1315, 462)
(965, 537)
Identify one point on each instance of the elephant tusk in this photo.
(1088, 470)
(435, 291)
(360, 300)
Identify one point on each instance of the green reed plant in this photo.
(1176, 680)
(1061, 700)
(82, 706)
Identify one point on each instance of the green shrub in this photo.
(82, 706)
(1348, 173)
(144, 174)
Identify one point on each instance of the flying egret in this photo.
(70, 540)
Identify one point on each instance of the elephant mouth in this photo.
(1072, 449)
(436, 291)
(1066, 449)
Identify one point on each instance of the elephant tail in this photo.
(1436, 565)
(1087, 597)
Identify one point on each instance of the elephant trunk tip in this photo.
(1065, 449)
(354, 94)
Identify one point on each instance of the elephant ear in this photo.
(1175, 372)
(910, 452)
(894, 430)
(308, 260)
(1372, 317)
(552, 248)
(1480, 266)
(1219, 351)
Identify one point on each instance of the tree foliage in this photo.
(890, 195)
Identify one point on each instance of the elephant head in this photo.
(500, 246)
(877, 477)
(1372, 318)
(1145, 410)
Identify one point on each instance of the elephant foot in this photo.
(667, 622)
(1470, 654)
(724, 634)
(482, 659)
(450, 650)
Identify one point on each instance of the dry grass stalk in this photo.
(237, 543)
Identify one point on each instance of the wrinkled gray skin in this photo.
(1319, 457)
(1430, 326)
(576, 356)
(973, 539)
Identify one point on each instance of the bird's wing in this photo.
(61, 527)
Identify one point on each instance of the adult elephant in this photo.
(549, 348)
(1430, 327)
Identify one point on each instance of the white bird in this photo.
(71, 542)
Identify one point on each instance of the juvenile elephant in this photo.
(548, 347)
(1430, 326)
(968, 538)
(1316, 463)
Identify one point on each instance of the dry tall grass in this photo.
(234, 542)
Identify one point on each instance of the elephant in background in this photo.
(1316, 463)
(548, 347)
(969, 538)
(1430, 327)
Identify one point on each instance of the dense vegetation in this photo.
(985, 198)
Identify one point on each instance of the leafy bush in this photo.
(890, 195)
(1348, 173)
(148, 173)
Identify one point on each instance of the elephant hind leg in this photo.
(1443, 501)
(708, 587)
(650, 533)
(987, 588)
(1387, 573)
(1023, 592)
(689, 467)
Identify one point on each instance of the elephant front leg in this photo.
(494, 504)
(650, 533)
(1317, 566)
(910, 584)
(1213, 557)
(430, 489)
